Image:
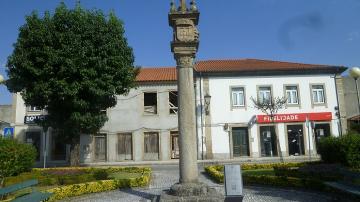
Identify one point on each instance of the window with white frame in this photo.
(292, 95)
(238, 96)
(33, 109)
(264, 95)
(318, 94)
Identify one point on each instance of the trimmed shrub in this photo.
(15, 157)
(331, 151)
(327, 172)
(100, 186)
(344, 150)
(351, 145)
(101, 174)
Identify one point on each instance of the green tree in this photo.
(72, 63)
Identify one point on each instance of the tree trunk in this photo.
(278, 148)
(75, 154)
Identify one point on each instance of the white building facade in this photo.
(143, 124)
(234, 128)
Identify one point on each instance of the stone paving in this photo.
(165, 176)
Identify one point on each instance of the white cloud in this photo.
(353, 36)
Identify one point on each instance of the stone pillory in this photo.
(184, 46)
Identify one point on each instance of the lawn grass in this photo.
(124, 175)
(258, 172)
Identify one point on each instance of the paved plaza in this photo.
(165, 176)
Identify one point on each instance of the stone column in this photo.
(186, 119)
(184, 46)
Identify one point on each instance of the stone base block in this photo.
(191, 192)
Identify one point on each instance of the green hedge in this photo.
(344, 150)
(100, 186)
(216, 173)
(319, 172)
(15, 157)
(70, 175)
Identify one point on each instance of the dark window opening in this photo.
(173, 102)
(150, 103)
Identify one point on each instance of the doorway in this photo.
(175, 152)
(268, 141)
(124, 146)
(100, 147)
(151, 146)
(295, 140)
(240, 141)
(321, 130)
(34, 138)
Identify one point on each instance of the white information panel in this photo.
(233, 180)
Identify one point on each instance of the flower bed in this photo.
(100, 186)
(75, 181)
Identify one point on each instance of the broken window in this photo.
(173, 102)
(150, 103)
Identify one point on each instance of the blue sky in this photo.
(306, 31)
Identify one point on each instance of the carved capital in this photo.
(185, 61)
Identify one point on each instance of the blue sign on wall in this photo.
(9, 132)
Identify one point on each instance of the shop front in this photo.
(296, 127)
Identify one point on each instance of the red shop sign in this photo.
(301, 117)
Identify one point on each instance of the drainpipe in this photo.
(337, 101)
(201, 118)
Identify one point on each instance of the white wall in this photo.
(221, 111)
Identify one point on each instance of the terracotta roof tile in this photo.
(243, 65)
(239, 65)
(156, 74)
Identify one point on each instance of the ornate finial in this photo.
(172, 7)
(193, 6)
(183, 6)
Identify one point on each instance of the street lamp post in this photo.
(355, 73)
(2, 80)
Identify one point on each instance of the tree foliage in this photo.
(270, 106)
(72, 63)
(15, 158)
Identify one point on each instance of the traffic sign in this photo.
(9, 132)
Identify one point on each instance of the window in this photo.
(33, 109)
(151, 146)
(292, 95)
(318, 94)
(173, 102)
(238, 97)
(264, 94)
(150, 103)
